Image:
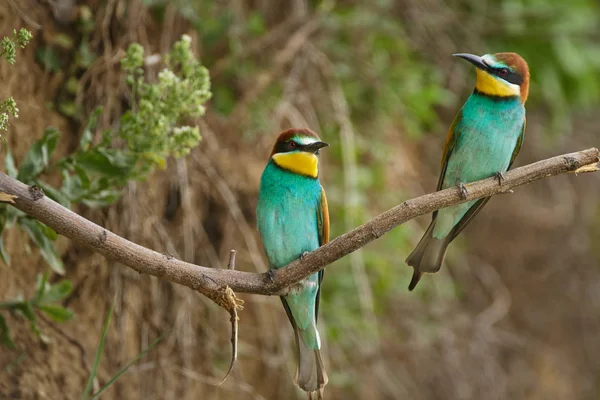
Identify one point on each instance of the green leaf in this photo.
(57, 292)
(27, 310)
(56, 312)
(102, 199)
(38, 156)
(3, 254)
(125, 368)
(256, 24)
(63, 40)
(12, 214)
(36, 232)
(3, 223)
(99, 349)
(9, 164)
(83, 177)
(49, 232)
(71, 186)
(41, 286)
(68, 108)
(5, 338)
(88, 130)
(48, 58)
(106, 162)
(85, 56)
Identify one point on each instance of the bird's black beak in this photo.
(314, 147)
(473, 59)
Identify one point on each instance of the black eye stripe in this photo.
(285, 147)
(512, 77)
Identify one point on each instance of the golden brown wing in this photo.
(323, 225)
(323, 220)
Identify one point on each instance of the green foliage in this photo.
(150, 128)
(383, 78)
(70, 53)
(560, 43)
(9, 45)
(95, 173)
(37, 158)
(43, 237)
(8, 108)
(48, 58)
(35, 162)
(46, 301)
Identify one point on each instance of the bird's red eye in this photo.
(292, 145)
(504, 71)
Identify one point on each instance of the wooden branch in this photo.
(214, 282)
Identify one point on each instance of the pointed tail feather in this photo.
(310, 372)
(428, 255)
(415, 279)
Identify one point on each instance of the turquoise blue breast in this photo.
(287, 214)
(487, 134)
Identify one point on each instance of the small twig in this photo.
(231, 303)
(7, 198)
(231, 264)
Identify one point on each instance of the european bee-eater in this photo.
(483, 141)
(293, 219)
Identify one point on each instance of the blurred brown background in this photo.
(514, 313)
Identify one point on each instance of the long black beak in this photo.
(473, 59)
(314, 147)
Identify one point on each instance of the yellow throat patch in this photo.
(301, 163)
(491, 86)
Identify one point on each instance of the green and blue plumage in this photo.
(293, 219)
(287, 221)
(487, 131)
(483, 141)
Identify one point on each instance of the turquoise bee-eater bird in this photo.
(293, 218)
(483, 141)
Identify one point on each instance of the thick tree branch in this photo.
(213, 282)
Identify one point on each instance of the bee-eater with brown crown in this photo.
(483, 141)
(293, 219)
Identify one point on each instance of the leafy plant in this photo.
(96, 172)
(8, 46)
(99, 168)
(150, 128)
(46, 300)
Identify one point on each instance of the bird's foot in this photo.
(462, 189)
(303, 255)
(500, 176)
(271, 275)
